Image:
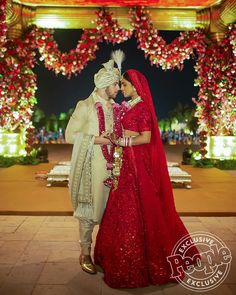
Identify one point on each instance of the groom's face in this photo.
(112, 90)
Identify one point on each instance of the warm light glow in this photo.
(197, 156)
(12, 144)
(188, 23)
(12, 148)
(221, 147)
(51, 22)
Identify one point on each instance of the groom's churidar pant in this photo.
(86, 227)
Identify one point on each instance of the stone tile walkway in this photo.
(39, 256)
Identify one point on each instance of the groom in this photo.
(89, 157)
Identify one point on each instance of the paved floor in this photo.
(39, 256)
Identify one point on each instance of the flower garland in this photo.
(17, 87)
(110, 29)
(232, 37)
(117, 130)
(3, 27)
(69, 63)
(215, 66)
(76, 59)
(168, 56)
(17, 81)
(216, 103)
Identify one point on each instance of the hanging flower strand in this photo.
(76, 59)
(168, 56)
(232, 37)
(216, 103)
(69, 63)
(3, 27)
(110, 29)
(17, 88)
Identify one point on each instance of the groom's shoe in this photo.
(87, 264)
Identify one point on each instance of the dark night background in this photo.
(58, 94)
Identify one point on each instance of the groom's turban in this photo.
(107, 75)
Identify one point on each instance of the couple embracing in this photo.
(119, 179)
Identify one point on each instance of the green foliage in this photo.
(50, 122)
(226, 164)
(7, 161)
(165, 124)
(180, 114)
(217, 163)
(202, 163)
(30, 159)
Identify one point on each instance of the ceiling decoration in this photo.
(178, 15)
(151, 3)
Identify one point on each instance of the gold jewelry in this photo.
(117, 165)
(124, 141)
(133, 102)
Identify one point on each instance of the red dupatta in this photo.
(158, 158)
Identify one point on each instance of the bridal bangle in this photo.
(125, 141)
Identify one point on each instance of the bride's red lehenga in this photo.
(140, 225)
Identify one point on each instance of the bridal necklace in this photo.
(133, 102)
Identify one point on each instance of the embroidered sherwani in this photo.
(84, 121)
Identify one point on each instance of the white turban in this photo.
(107, 75)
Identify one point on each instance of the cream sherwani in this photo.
(88, 166)
(84, 120)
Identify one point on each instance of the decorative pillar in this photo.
(14, 20)
(216, 19)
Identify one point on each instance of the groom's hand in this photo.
(112, 137)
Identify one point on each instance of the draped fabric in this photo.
(80, 177)
(140, 226)
(158, 158)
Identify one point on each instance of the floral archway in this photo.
(215, 66)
